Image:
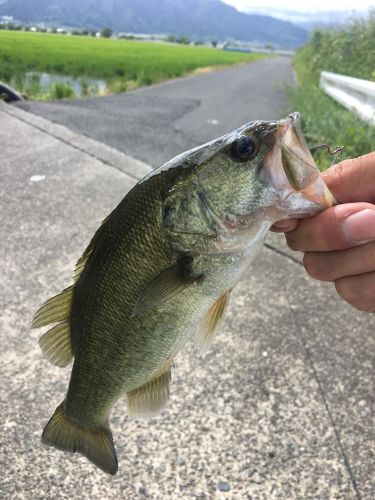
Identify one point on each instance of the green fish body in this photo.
(160, 270)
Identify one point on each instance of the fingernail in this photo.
(360, 227)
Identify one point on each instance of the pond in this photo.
(80, 87)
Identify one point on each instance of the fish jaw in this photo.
(295, 179)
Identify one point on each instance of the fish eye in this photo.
(243, 149)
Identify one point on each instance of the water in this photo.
(81, 86)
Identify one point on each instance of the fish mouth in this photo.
(293, 172)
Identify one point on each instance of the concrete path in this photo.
(281, 407)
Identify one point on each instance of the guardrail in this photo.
(353, 93)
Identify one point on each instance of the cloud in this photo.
(308, 5)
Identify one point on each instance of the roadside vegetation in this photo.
(348, 51)
(122, 64)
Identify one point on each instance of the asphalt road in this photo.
(155, 123)
(281, 407)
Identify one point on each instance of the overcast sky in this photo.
(307, 5)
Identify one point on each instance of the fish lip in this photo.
(294, 120)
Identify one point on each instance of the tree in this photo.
(106, 32)
(184, 40)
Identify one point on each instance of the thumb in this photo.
(352, 180)
(337, 228)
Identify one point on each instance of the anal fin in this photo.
(151, 398)
(208, 325)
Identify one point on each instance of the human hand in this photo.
(339, 243)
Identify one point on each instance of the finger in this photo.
(337, 228)
(285, 226)
(358, 291)
(352, 180)
(330, 266)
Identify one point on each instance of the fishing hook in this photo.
(337, 151)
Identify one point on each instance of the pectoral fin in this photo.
(208, 325)
(166, 285)
(151, 398)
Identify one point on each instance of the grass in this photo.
(121, 63)
(350, 51)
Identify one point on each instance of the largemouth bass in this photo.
(160, 270)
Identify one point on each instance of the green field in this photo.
(121, 63)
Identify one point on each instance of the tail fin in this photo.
(96, 444)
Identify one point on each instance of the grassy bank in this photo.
(350, 51)
(122, 64)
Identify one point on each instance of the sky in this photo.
(306, 5)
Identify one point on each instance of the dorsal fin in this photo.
(56, 309)
(56, 342)
(56, 345)
(82, 261)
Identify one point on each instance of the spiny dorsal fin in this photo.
(56, 309)
(151, 398)
(95, 443)
(82, 261)
(166, 285)
(56, 345)
(210, 322)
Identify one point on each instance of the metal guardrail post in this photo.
(355, 94)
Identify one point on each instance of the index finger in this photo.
(352, 180)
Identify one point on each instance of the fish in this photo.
(160, 269)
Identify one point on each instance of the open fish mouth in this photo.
(293, 172)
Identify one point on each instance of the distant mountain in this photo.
(205, 19)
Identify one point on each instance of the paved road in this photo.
(281, 407)
(155, 123)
